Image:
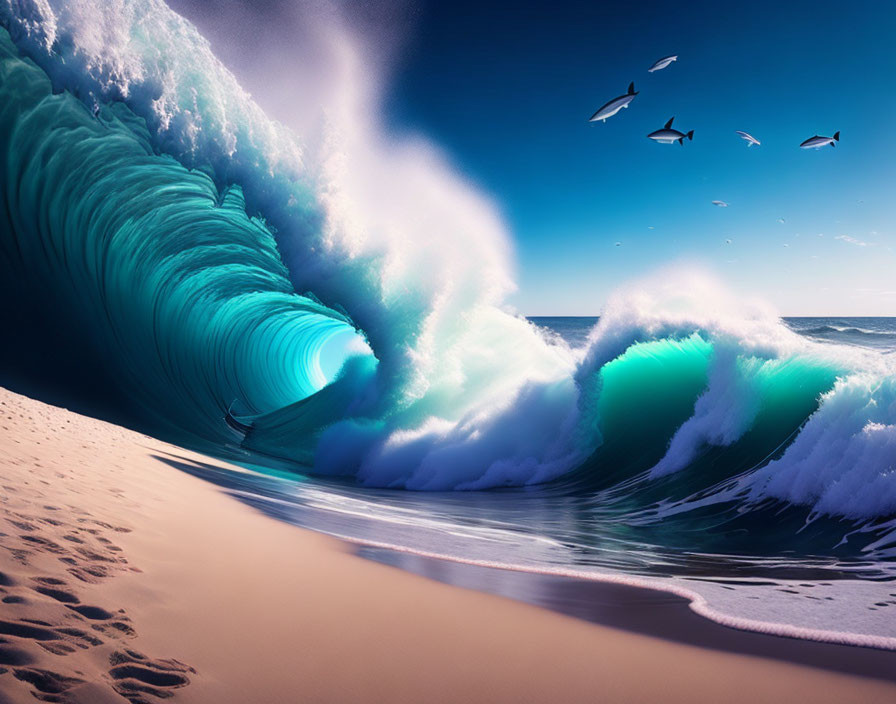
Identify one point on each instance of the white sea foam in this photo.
(843, 462)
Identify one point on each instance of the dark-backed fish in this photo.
(668, 135)
(615, 105)
(817, 142)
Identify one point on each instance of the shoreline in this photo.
(245, 487)
(647, 610)
(123, 578)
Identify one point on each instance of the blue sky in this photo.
(506, 90)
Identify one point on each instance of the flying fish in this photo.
(615, 105)
(748, 138)
(817, 142)
(668, 135)
(662, 63)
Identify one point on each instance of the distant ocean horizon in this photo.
(873, 332)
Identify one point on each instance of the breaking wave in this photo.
(345, 296)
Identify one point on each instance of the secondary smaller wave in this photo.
(875, 333)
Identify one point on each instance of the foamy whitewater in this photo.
(343, 292)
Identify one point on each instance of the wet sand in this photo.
(123, 578)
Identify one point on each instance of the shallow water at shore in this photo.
(818, 597)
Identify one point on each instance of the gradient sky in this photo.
(506, 90)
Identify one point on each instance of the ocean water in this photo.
(168, 253)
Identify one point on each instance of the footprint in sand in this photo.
(94, 613)
(62, 595)
(134, 674)
(20, 629)
(46, 681)
(91, 574)
(34, 651)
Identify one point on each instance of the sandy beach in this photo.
(123, 578)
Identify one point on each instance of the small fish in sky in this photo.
(662, 63)
(720, 203)
(748, 138)
(817, 142)
(668, 135)
(615, 105)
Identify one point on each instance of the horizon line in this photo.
(527, 315)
